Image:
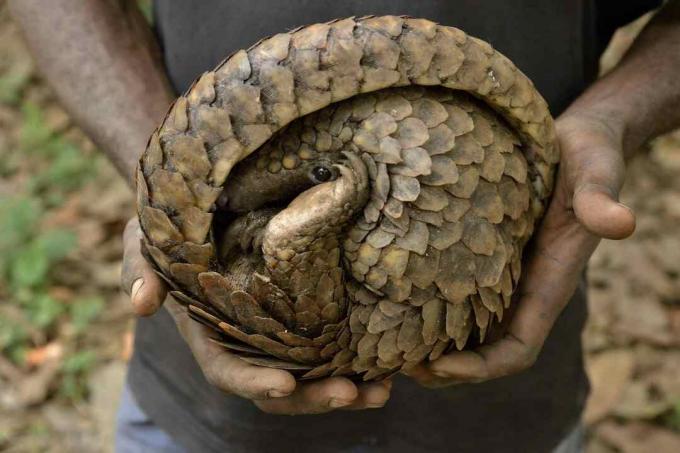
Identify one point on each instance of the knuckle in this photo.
(247, 382)
(483, 375)
(529, 359)
(525, 360)
(265, 407)
(125, 284)
(213, 377)
(127, 276)
(245, 375)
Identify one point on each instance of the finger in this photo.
(595, 166)
(371, 396)
(425, 377)
(225, 370)
(138, 279)
(314, 398)
(598, 210)
(505, 357)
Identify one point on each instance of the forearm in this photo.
(101, 60)
(640, 98)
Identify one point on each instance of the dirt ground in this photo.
(59, 380)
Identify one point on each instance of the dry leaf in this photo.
(639, 438)
(609, 373)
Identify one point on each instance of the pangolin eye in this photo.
(321, 174)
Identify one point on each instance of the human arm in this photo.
(607, 124)
(103, 63)
(101, 59)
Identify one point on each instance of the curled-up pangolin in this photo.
(349, 198)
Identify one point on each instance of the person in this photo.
(523, 392)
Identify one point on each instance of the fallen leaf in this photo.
(638, 437)
(34, 387)
(61, 293)
(644, 318)
(38, 356)
(640, 401)
(609, 372)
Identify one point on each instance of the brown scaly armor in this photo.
(349, 198)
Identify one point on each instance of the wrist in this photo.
(606, 107)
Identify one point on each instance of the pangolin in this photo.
(349, 198)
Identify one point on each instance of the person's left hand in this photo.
(584, 209)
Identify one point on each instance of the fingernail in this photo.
(441, 374)
(136, 286)
(276, 394)
(334, 402)
(375, 405)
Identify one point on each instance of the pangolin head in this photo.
(272, 176)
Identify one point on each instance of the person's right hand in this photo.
(584, 208)
(273, 391)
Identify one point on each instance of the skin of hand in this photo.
(604, 126)
(114, 86)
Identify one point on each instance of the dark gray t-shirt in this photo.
(556, 43)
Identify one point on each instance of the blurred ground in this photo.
(65, 329)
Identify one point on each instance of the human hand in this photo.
(273, 391)
(584, 209)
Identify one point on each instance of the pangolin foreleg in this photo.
(301, 246)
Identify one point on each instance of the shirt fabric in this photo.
(556, 43)
(137, 433)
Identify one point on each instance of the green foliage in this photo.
(18, 219)
(78, 362)
(13, 339)
(68, 168)
(11, 86)
(74, 373)
(55, 244)
(29, 268)
(672, 419)
(43, 310)
(84, 311)
(26, 254)
(35, 135)
(29, 251)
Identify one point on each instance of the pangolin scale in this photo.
(349, 198)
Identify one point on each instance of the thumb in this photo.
(138, 279)
(599, 175)
(598, 210)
